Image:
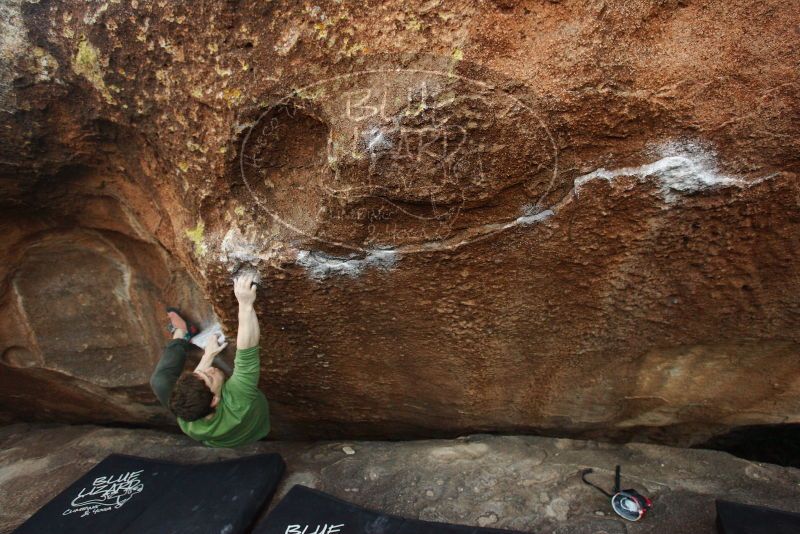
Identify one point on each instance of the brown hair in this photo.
(190, 399)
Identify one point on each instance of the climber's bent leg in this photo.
(168, 370)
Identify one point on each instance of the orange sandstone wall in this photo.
(577, 218)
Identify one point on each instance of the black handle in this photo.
(598, 488)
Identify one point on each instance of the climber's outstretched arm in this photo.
(245, 290)
(243, 383)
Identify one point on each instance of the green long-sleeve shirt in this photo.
(242, 415)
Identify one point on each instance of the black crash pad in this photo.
(308, 511)
(737, 518)
(131, 495)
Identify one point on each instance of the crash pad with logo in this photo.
(132, 495)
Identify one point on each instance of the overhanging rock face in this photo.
(577, 219)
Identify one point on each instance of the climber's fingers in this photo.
(244, 287)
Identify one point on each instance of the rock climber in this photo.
(209, 408)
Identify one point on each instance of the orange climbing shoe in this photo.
(177, 321)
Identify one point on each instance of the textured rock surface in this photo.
(527, 483)
(572, 217)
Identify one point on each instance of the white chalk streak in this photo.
(236, 250)
(690, 171)
(526, 220)
(320, 265)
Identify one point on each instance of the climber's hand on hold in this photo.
(245, 289)
(213, 347)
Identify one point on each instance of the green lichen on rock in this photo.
(87, 63)
(45, 65)
(232, 96)
(195, 235)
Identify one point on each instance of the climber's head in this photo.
(196, 394)
(213, 379)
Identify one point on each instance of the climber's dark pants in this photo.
(169, 368)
